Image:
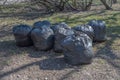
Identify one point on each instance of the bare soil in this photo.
(28, 64)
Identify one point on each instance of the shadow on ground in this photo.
(56, 62)
(47, 64)
(25, 16)
(53, 61)
(108, 54)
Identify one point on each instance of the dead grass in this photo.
(28, 64)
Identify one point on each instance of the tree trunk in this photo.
(114, 1)
(106, 5)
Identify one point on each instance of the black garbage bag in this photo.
(22, 35)
(78, 49)
(43, 38)
(60, 25)
(85, 29)
(61, 30)
(40, 24)
(99, 27)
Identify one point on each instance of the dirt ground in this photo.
(28, 64)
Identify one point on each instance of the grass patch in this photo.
(107, 53)
(112, 19)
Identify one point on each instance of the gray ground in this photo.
(10, 1)
(29, 64)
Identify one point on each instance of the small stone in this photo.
(46, 78)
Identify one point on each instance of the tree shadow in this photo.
(24, 11)
(112, 17)
(9, 49)
(4, 33)
(53, 61)
(5, 30)
(2, 75)
(75, 69)
(56, 63)
(108, 54)
(6, 50)
(25, 15)
(69, 20)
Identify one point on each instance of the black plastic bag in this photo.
(60, 25)
(61, 30)
(40, 24)
(99, 27)
(43, 38)
(78, 49)
(85, 29)
(22, 35)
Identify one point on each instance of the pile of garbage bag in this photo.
(75, 43)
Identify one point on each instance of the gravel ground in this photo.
(29, 64)
(11, 1)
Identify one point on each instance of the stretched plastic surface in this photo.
(40, 24)
(61, 31)
(22, 35)
(85, 29)
(99, 27)
(78, 49)
(43, 38)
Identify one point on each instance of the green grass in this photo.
(112, 19)
(104, 52)
(13, 7)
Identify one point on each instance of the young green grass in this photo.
(106, 53)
